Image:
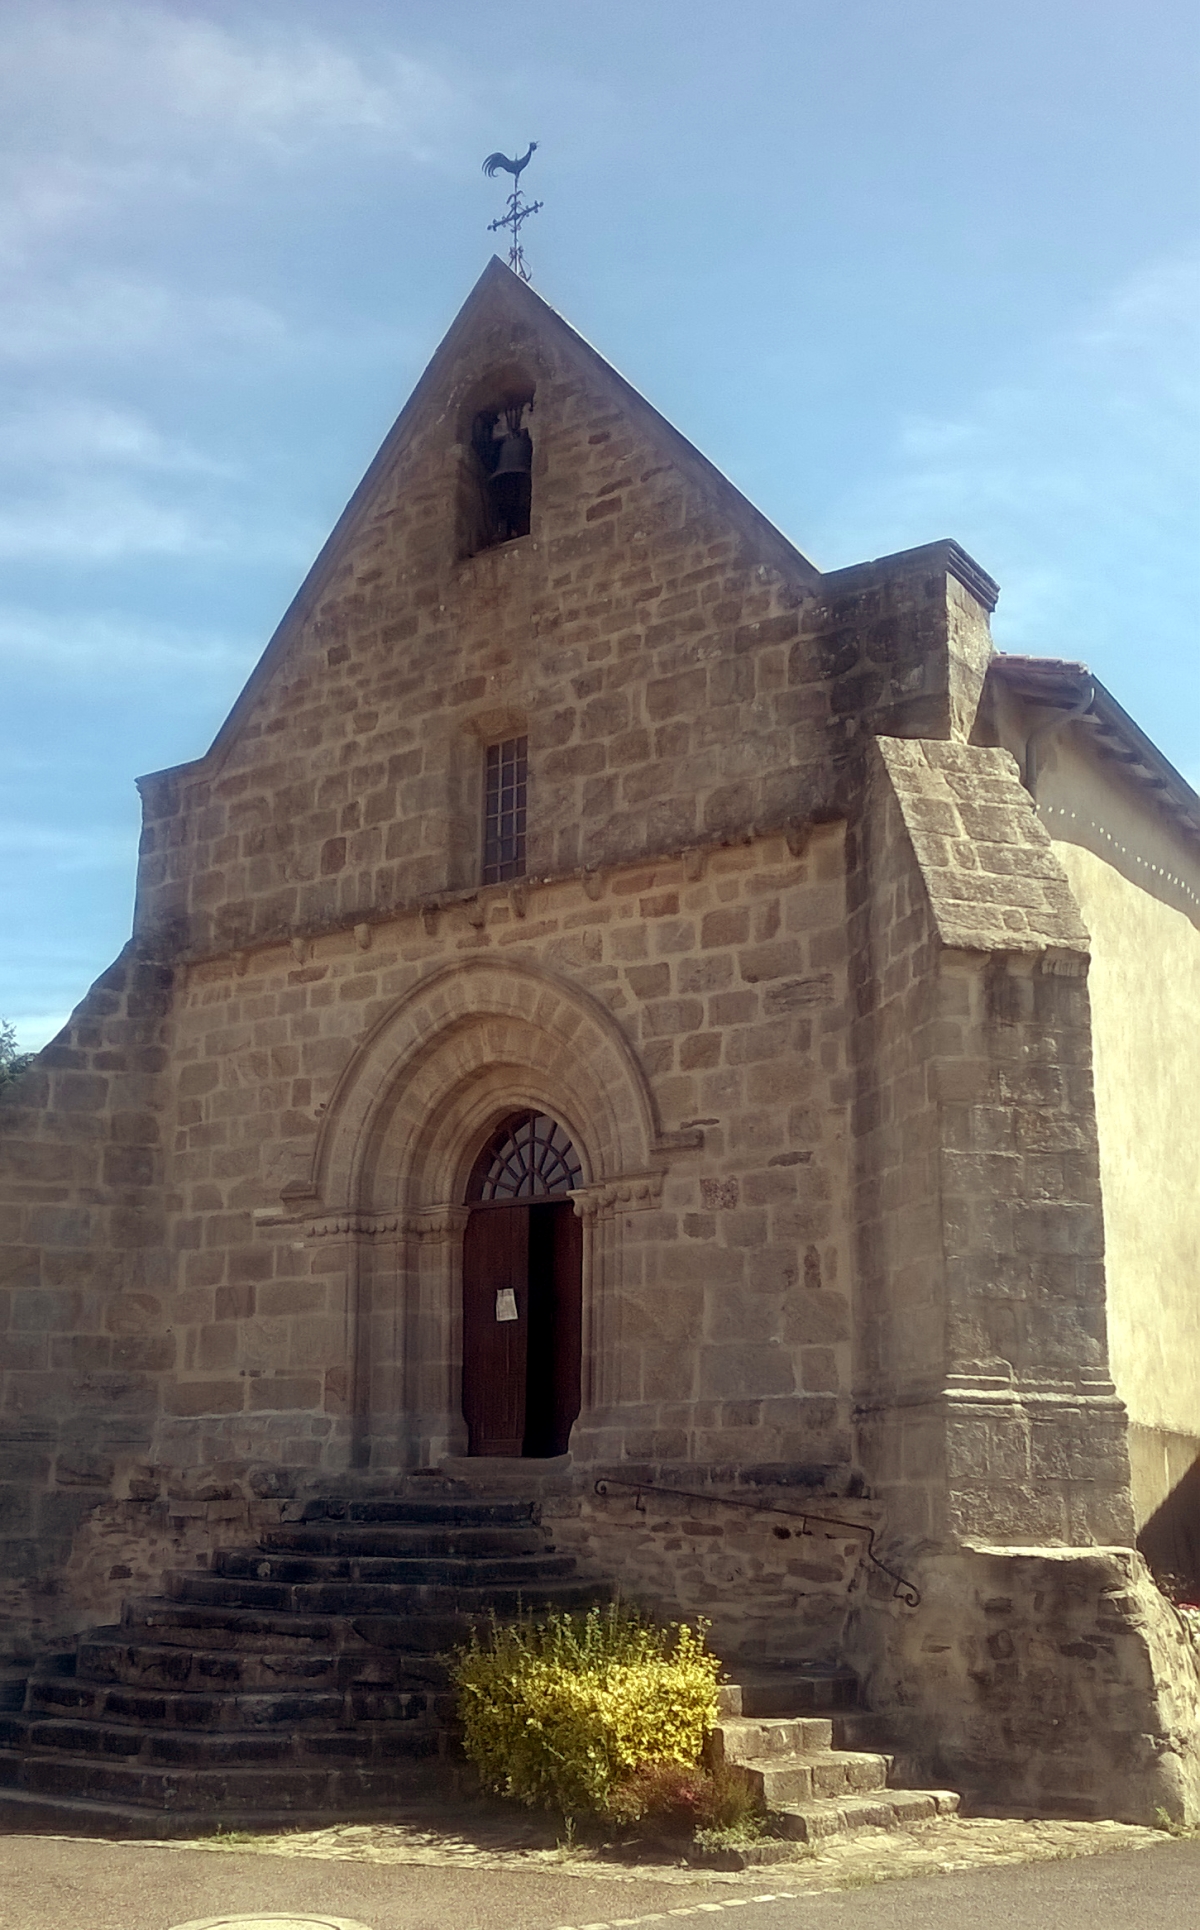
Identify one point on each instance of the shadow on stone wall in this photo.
(1170, 1539)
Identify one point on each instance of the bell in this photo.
(510, 484)
(516, 455)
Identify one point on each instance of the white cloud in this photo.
(101, 102)
(106, 74)
(94, 508)
(39, 197)
(1074, 479)
(45, 319)
(100, 521)
(123, 125)
(67, 433)
(293, 86)
(121, 647)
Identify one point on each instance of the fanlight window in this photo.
(529, 1157)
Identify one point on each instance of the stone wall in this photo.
(983, 1382)
(1051, 1681)
(640, 635)
(1052, 1677)
(165, 1521)
(727, 983)
(683, 674)
(84, 1276)
(725, 1268)
(776, 1584)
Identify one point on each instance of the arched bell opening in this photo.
(496, 493)
(522, 1291)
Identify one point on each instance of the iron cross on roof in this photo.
(517, 209)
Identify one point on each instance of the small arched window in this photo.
(528, 1157)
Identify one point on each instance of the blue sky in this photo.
(902, 271)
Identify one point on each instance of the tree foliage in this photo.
(12, 1062)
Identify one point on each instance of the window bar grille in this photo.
(504, 811)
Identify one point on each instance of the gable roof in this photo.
(498, 292)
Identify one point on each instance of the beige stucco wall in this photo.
(1136, 874)
(1145, 992)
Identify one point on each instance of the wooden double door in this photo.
(522, 1326)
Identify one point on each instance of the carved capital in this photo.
(438, 1223)
(624, 1193)
(354, 1226)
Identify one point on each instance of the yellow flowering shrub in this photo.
(558, 1713)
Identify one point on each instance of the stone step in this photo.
(816, 1822)
(441, 1513)
(783, 1782)
(435, 1626)
(834, 1767)
(769, 1738)
(864, 1729)
(813, 1822)
(346, 1598)
(13, 1680)
(446, 1571)
(236, 1630)
(125, 1743)
(335, 1787)
(240, 1709)
(798, 1691)
(193, 1624)
(29, 1812)
(108, 1656)
(342, 1539)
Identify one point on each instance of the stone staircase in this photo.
(306, 1680)
(288, 1684)
(809, 1753)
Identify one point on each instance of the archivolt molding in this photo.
(467, 1044)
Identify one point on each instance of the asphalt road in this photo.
(54, 1883)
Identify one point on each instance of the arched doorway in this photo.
(522, 1291)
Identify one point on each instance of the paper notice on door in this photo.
(506, 1304)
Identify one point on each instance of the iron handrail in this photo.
(903, 1591)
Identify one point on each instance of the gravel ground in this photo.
(489, 1837)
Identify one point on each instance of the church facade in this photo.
(609, 1020)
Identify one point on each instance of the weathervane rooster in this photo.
(516, 210)
(495, 162)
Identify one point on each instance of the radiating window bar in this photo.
(504, 811)
(528, 1157)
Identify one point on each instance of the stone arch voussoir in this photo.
(459, 1050)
